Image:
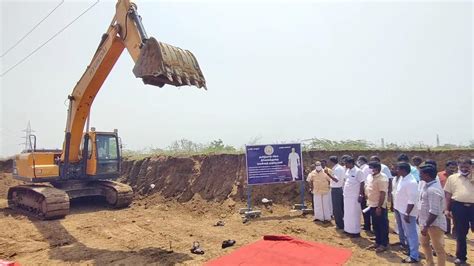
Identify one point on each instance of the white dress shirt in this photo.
(354, 177)
(406, 193)
(365, 170)
(386, 171)
(339, 173)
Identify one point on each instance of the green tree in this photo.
(326, 144)
(218, 146)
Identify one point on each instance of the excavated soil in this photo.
(217, 178)
(190, 195)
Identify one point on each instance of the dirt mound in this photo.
(6, 181)
(222, 177)
(6, 166)
(214, 178)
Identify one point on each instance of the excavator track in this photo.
(42, 202)
(118, 195)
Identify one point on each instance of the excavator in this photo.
(89, 161)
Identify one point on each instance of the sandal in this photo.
(219, 223)
(228, 243)
(196, 249)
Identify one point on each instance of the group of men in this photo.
(423, 201)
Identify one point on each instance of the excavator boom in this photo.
(156, 63)
(90, 161)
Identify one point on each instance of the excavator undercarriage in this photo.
(52, 201)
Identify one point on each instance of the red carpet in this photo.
(284, 250)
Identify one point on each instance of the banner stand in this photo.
(249, 212)
(272, 164)
(302, 206)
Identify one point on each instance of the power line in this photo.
(50, 39)
(28, 33)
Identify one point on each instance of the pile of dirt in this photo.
(223, 177)
(6, 166)
(7, 181)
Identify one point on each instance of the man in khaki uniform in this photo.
(459, 193)
(319, 184)
(376, 190)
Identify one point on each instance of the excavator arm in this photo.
(68, 172)
(156, 63)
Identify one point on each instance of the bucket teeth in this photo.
(169, 76)
(160, 64)
(178, 79)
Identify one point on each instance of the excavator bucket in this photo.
(160, 63)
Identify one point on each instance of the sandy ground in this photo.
(155, 231)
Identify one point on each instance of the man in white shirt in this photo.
(406, 196)
(294, 163)
(403, 158)
(364, 167)
(353, 194)
(385, 170)
(336, 191)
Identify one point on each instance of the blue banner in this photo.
(278, 163)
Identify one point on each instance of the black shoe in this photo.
(228, 243)
(409, 260)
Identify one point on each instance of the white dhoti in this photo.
(321, 206)
(352, 213)
(294, 171)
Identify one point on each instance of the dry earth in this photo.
(190, 195)
(161, 231)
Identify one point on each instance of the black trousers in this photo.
(367, 223)
(463, 214)
(338, 206)
(380, 224)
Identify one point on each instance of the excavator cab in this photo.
(102, 154)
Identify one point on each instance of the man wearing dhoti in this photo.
(353, 194)
(319, 184)
(294, 163)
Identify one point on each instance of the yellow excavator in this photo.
(90, 160)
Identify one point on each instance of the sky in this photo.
(276, 71)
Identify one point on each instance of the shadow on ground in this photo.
(66, 248)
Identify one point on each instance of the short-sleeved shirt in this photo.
(406, 194)
(386, 171)
(460, 187)
(320, 181)
(395, 181)
(365, 170)
(415, 173)
(443, 177)
(339, 173)
(353, 178)
(293, 158)
(373, 186)
(432, 201)
(329, 170)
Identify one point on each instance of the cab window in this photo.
(106, 147)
